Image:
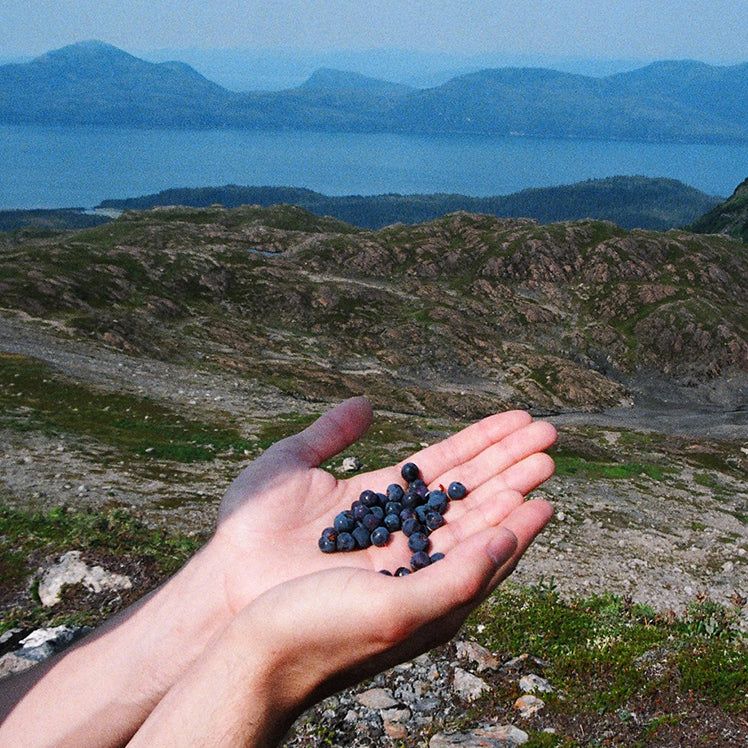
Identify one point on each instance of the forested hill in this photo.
(93, 83)
(729, 218)
(630, 202)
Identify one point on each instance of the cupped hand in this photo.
(272, 515)
(317, 634)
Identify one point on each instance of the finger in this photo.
(459, 579)
(329, 434)
(463, 521)
(525, 522)
(468, 443)
(498, 457)
(523, 476)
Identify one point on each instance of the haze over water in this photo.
(48, 167)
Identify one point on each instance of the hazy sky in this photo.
(709, 30)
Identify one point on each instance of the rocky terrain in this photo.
(250, 321)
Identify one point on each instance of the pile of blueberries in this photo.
(375, 516)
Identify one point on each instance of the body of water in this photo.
(52, 167)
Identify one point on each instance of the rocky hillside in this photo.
(459, 316)
(729, 218)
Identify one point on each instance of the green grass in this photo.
(34, 397)
(584, 467)
(593, 647)
(27, 537)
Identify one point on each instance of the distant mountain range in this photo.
(96, 84)
(630, 202)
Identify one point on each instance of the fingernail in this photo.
(502, 546)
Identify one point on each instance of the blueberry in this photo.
(380, 536)
(419, 560)
(330, 533)
(344, 522)
(439, 501)
(378, 511)
(436, 557)
(382, 499)
(456, 490)
(385, 572)
(411, 500)
(368, 498)
(395, 492)
(345, 542)
(410, 472)
(360, 511)
(392, 522)
(402, 571)
(362, 536)
(407, 514)
(411, 525)
(326, 545)
(393, 507)
(422, 512)
(421, 491)
(434, 521)
(418, 541)
(371, 521)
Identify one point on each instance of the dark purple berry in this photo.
(392, 522)
(456, 490)
(436, 557)
(395, 492)
(378, 511)
(418, 541)
(385, 572)
(346, 542)
(326, 545)
(438, 501)
(402, 572)
(419, 560)
(393, 507)
(380, 536)
(411, 500)
(344, 521)
(410, 472)
(362, 536)
(360, 511)
(422, 512)
(407, 514)
(368, 498)
(411, 525)
(434, 521)
(371, 521)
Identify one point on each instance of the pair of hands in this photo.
(260, 624)
(305, 624)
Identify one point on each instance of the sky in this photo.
(714, 31)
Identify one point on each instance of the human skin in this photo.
(287, 650)
(101, 691)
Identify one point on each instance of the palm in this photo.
(275, 511)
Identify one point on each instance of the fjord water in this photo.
(51, 167)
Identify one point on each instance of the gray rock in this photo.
(528, 705)
(478, 655)
(70, 570)
(469, 686)
(534, 683)
(351, 465)
(377, 698)
(498, 736)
